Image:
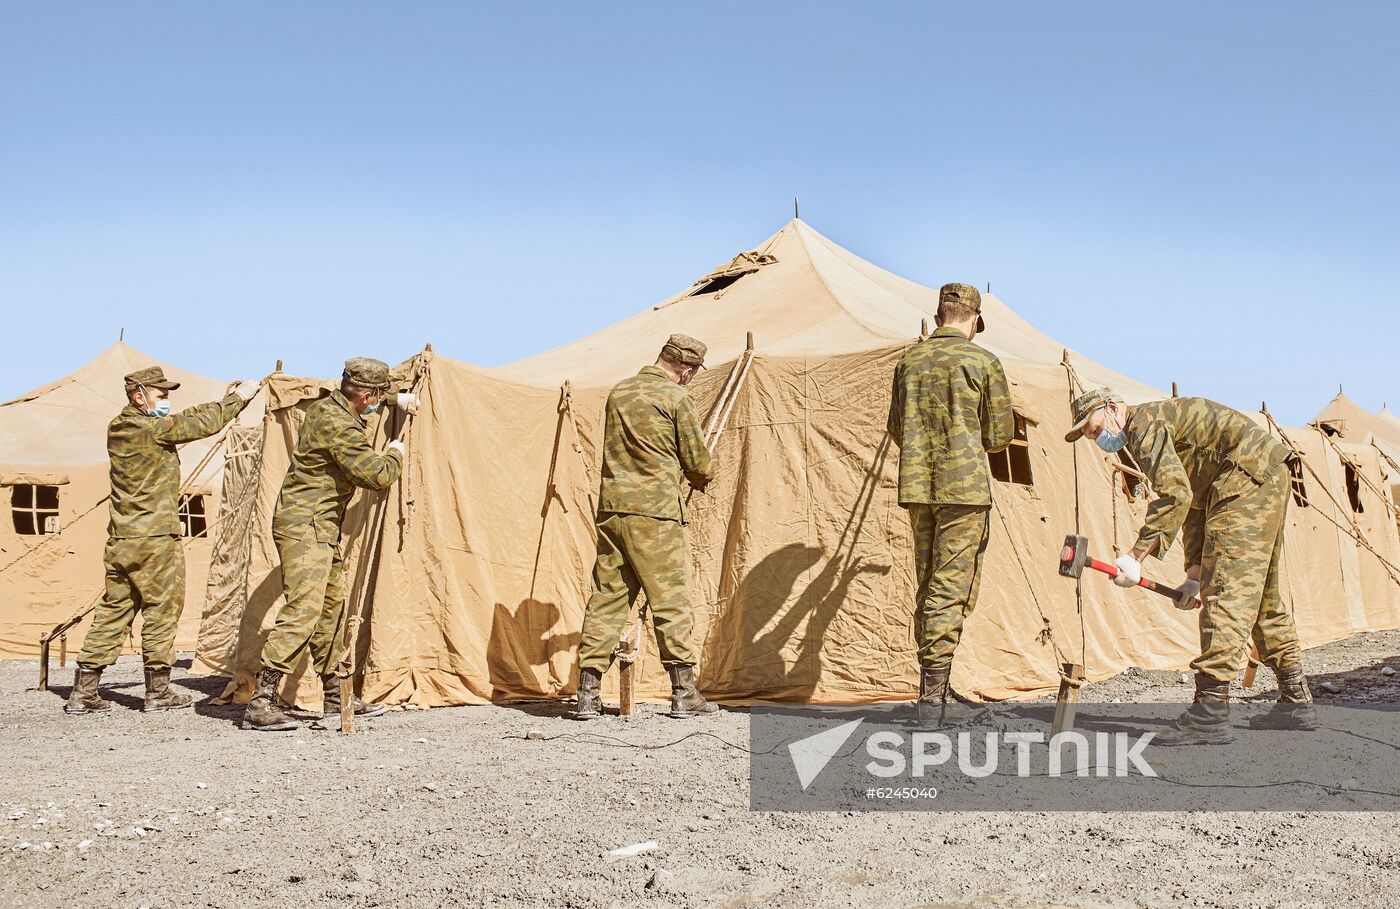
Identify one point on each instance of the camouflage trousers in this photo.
(636, 552)
(314, 616)
(145, 575)
(949, 541)
(1240, 563)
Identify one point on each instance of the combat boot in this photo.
(263, 713)
(686, 700)
(933, 695)
(1294, 709)
(84, 698)
(158, 693)
(590, 695)
(330, 691)
(1206, 721)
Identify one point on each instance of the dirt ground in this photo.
(456, 807)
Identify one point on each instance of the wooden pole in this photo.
(1067, 701)
(44, 663)
(1251, 668)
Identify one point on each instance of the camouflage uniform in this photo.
(332, 458)
(950, 406)
(144, 559)
(1224, 483)
(650, 439)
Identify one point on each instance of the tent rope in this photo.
(1360, 474)
(1353, 529)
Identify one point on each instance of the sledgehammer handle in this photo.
(1170, 593)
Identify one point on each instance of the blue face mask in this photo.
(371, 408)
(162, 409)
(1111, 441)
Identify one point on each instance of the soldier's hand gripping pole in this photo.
(1074, 558)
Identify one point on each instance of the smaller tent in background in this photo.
(1346, 420)
(54, 485)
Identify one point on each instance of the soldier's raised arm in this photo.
(696, 462)
(362, 465)
(998, 419)
(200, 421)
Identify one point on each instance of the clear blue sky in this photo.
(1199, 192)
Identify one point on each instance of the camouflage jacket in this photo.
(651, 437)
(333, 457)
(950, 406)
(146, 465)
(1195, 453)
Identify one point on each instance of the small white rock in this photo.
(1387, 670)
(84, 845)
(201, 785)
(421, 741)
(1330, 687)
(431, 787)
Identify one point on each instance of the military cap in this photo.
(150, 377)
(1083, 407)
(685, 350)
(367, 372)
(965, 294)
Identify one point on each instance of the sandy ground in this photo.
(457, 807)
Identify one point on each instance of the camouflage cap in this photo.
(965, 294)
(150, 377)
(367, 372)
(1083, 407)
(685, 350)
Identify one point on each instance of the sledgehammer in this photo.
(1074, 558)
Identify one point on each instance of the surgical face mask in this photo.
(1111, 440)
(371, 408)
(162, 409)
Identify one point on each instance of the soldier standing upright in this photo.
(950, 406)
(332, 458)
(651, 438)
(1224, 483)
(144, 559)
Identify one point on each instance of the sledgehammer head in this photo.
(1074, 556)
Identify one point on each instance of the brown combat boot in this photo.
(686, 700)
(330, 691)
(1205, 722)
(1294, 709)
(590, 695)
(158, 693)
(84, 698)
(933, 694)
(263, 713)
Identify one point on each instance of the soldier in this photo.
(650, 439)
(950, 406)
(1224, 483)
(144, 559)
(332, 458)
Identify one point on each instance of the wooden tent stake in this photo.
(1067, 701)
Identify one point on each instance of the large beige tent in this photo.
(53, 470)
(801, 554)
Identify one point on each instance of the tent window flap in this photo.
(1013, 463)
(193, 522)
(34, 509)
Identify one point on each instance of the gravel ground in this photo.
(457, 807)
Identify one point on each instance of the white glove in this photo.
(396, 445)
(407, 402)
(1190, 594)
(246, 390)
(1129, 570)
